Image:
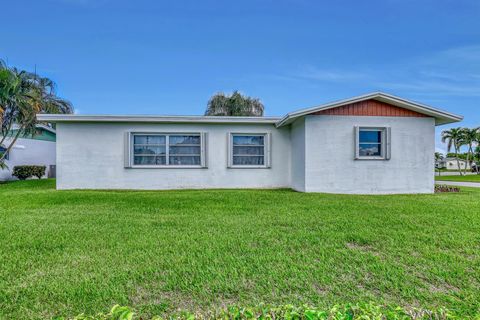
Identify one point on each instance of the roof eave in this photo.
(55, 118)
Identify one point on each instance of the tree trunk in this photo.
(458, 161)
(466, 163)
(6, 133)
(470, 150)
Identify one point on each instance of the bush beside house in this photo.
(25, 172)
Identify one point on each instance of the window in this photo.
(158, 149)
(372, 143)
(149, 150)
(184, 150)
(249, 150)
(3, 150)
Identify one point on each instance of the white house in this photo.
(452, 163)
(38, 149)
(371, 144)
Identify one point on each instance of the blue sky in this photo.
(169, 57)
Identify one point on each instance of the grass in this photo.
(467, 178)
(67, 252)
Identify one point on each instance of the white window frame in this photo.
(266, 152)
(129, 150)
(385, 143)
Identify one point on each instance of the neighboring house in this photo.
(451, 163)
(38, 149)
(371, 144)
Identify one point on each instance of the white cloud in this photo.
(435, 87)
(313, 73)
(451, 72)
(464, 53)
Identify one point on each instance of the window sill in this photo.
(248, 167)
(166, 167)
(370, 158)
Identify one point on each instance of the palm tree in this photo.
(235, 104)
(469, 138)
(454, 137)
(22, 96)
(438, 158)
(476, 154)
(477, 158)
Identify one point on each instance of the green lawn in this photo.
(467, 178)
(66, 252)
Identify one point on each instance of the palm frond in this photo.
(22, 96)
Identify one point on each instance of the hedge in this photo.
(289, 312)
(25, 172)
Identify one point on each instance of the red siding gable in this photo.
(372, 108)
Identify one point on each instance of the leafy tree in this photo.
(235, 104)
(454, 138)
(22, 96)
(469, 138)
(462, 156)
(476, 154)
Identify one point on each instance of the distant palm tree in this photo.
(477, 154)
(438, 158)
(22, 96)
(454, 138)
(469, 138)
(235, 104)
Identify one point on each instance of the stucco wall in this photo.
(330, 165)
(315, 154)
(91, 155)
(298, 154)
(29, 152)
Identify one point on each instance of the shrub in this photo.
(38, 171)
(290, 312)
(445, 188)
(25, 172)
